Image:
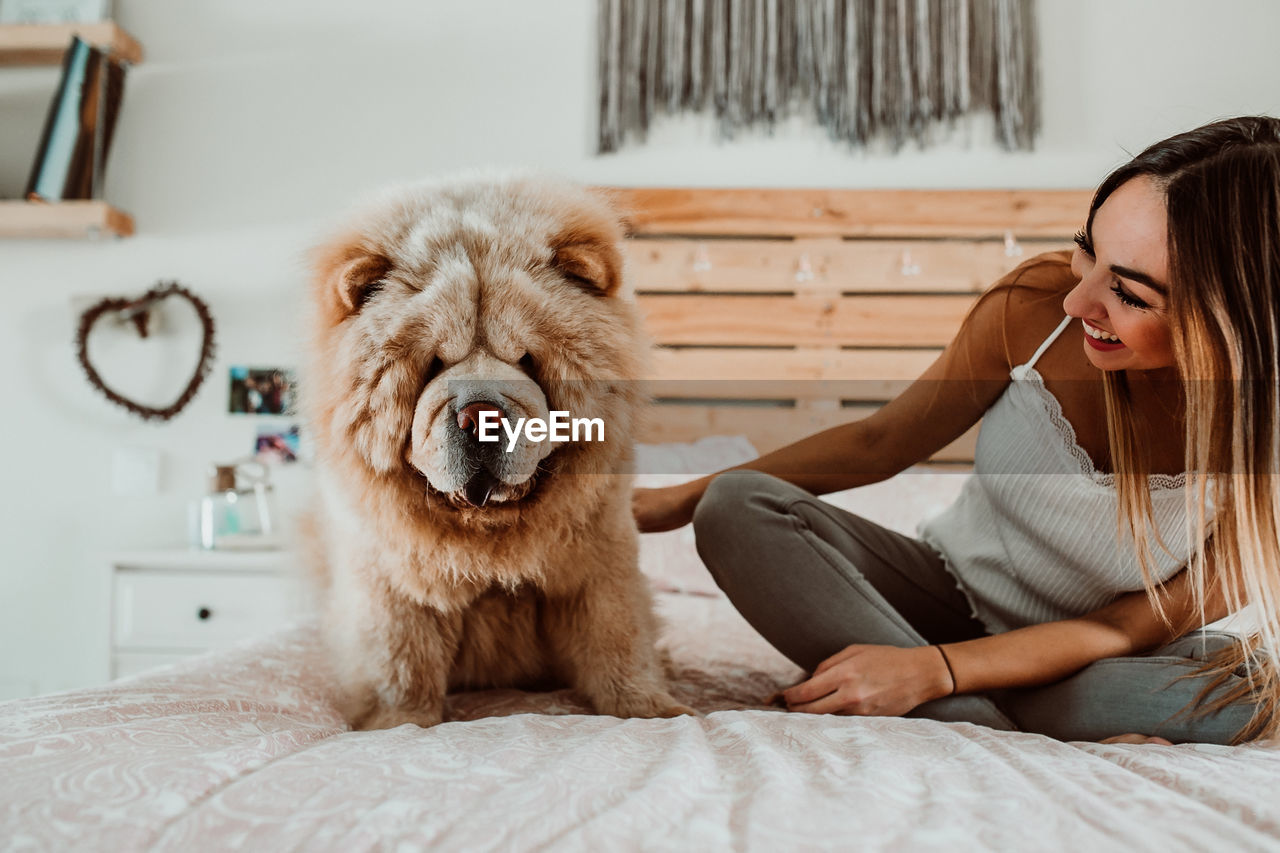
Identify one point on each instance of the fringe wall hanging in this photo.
(866, 69)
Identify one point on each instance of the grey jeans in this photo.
(813, 579)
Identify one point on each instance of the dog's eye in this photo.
(433, 370)
(367, 292)
(581, 281)
(527, 364)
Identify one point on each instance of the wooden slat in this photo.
(799, 374)
(870, 321)
(44, 44)
(766, 428)
(853, 213)
(820, 392)
(798, 364)
(71, 219)
(829, 265)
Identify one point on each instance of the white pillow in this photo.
(678, 463)
(670, 559)
(903, 501)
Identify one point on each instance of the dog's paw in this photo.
(668, 664)
(388, 718)
(648, 705)
(676, 709)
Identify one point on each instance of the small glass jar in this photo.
(236, 514)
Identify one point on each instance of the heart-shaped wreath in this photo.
(138, 312)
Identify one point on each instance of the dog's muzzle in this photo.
(482, 483)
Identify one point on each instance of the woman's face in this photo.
(1123, 294)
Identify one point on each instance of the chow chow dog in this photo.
(445, 562)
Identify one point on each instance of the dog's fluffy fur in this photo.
(441, 568)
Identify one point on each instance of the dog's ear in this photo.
(358, 279)
(590, 260)
(347, 274)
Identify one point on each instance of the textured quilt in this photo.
(242, 749)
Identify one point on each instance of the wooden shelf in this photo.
(44, 44)
(68, 219)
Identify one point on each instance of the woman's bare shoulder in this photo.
(1025, 306)
(1037, 280)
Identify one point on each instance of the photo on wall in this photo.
(278, 444)
(262, 391)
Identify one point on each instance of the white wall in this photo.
(251, 125)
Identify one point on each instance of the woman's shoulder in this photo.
(1025, 305)
(1040, 277)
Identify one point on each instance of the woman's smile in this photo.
(1100, 340)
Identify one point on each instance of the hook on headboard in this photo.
(701, 259)
(1011, 247)
(804, 269)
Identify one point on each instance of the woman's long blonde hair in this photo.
(1222, 189)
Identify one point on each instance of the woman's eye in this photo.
(1082, 240)
(1127, 298)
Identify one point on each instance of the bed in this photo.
(243, 748)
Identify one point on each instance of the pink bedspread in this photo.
(243, 750)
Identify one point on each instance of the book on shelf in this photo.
(71, 160)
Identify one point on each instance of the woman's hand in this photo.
(656, 510)
(879, 681)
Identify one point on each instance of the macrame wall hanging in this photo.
(891, 70)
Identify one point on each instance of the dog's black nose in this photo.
(469, 417)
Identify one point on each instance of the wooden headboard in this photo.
(779, 313)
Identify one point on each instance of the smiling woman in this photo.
(1124, 496)
(1220, 185)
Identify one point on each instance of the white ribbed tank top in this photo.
(1032, 537)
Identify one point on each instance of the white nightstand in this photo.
(167, 605)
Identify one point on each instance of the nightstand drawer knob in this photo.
(204, 613)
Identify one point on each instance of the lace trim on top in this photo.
(1067, 433)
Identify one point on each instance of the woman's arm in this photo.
(886, 680)
(1041, 654)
